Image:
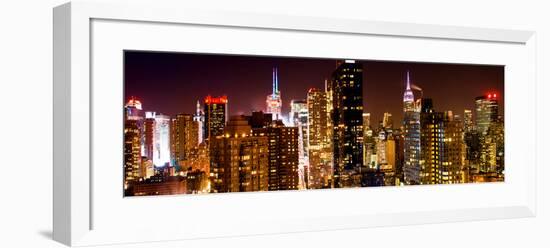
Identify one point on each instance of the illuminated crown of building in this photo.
(273, 102)
(408, 96)
(198, 111)
(215, 100)
(275, 83)
(133, 102)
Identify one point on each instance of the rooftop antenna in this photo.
(274, 80)
(408, 81)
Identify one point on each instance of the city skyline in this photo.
(217, 129)
(383, 81)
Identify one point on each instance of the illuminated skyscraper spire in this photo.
(198, 112)
(408, 81)
(411, 123)
(273, 101)
(408, 96)
(275, 82)
(199, 118)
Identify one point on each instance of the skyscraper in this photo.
(368, 141)
(149, 137)
(384, 160)
(468, 121)
(133, 111)
(453, 169)
(215, 115)
(132, 152)
(366, 121)
(381, 149)
(320, 152)
(298, 111)
(431, 142)
(282, 155)
(199, 118)
(473, 141)
(273, 101)
(347, 119)
(298, 117)
(486, 112)
(369, 149)
(492, 149)
(411, 123)
(239, 161)
(387, 121)
(159, 139)
(397, 136)
(184, 138)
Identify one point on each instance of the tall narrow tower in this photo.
(347, 120)
(199, 118)
(273, 102)
(411, 122)
(215, 116)
(486, 112)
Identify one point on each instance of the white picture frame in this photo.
(76, 212)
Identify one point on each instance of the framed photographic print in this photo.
(173, 124)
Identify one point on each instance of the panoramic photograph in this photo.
(212, 123)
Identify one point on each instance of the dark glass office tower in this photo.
(215, 116)
(347, 118)
(411, 124)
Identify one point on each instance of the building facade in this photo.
(238, 160)
(486, 112)
(215, 116)
(431, 142)
(199, 118)
(320, 141)
(453, 169)
(347, 120)
(387, 121)
(468, 121)
(157, 137)
(184, 138)
(132, 152)
(298, 117)
(282, 155)
(411, 135)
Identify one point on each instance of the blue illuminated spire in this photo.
(408, 81)
(275, 82)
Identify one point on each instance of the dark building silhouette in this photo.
(259, 119)
(346, 88)
(215, 116)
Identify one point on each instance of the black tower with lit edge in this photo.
(347, 118)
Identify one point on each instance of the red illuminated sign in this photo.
(215, 100)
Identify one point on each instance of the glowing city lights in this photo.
(327, 141)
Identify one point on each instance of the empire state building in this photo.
(273, 101)
(411, 122)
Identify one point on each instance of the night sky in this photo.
(171, 83)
